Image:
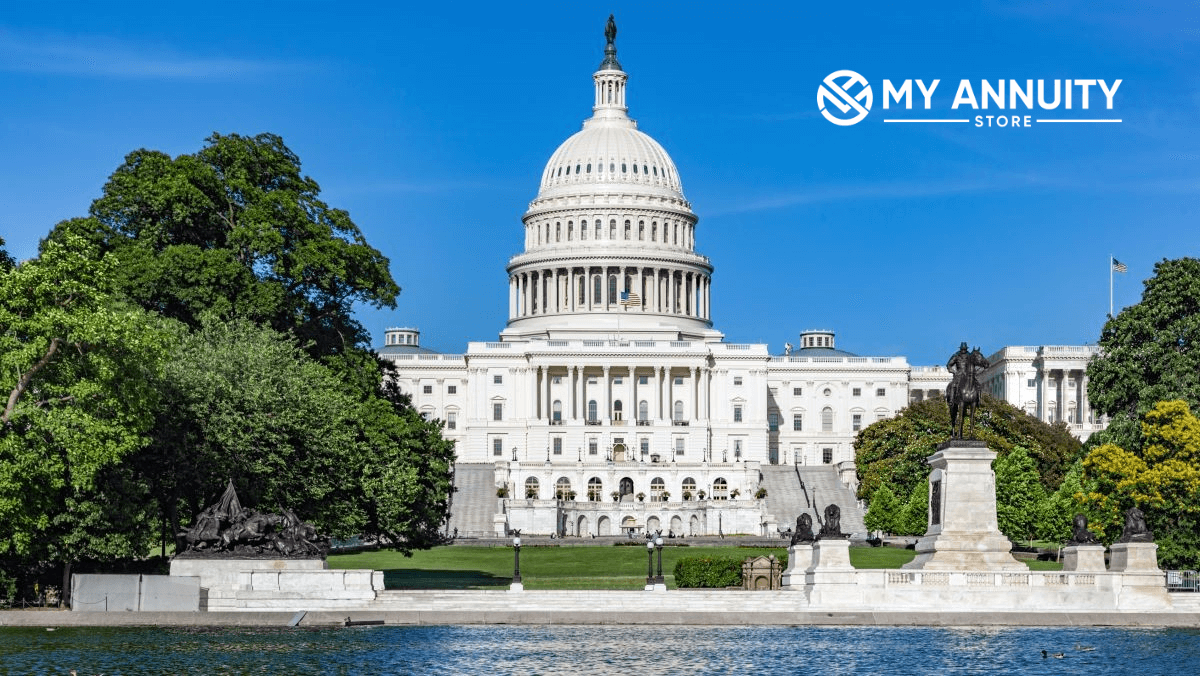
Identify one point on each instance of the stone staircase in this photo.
(475, 500)
(792, 491)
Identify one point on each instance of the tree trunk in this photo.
(64, 598)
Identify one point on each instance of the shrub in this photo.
(708, 571)
(760, 494)
(502, 492)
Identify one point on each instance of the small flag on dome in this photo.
(629, 298)
(1118, 266)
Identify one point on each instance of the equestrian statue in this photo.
(963, 393)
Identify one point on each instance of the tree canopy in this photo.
(1149, 352)
(77, 370)
(236, 230)
(894, 450)
(1161, 477)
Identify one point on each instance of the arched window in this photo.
(643, 410)
(678, 410)
(582, 229)
(595, 489)
(628, 229)
(618, 410)
(570, 230)
(612, 229)
(657, 486)
(641, 230)
(612, 289)
(582, 283)
(597, 228)
(689, 485)
(558, 232)
(591, 411)
(654, 231)
(562, 489)
(720, 489)
(597, 291)
(531, 488)
(557, 411)
(827, 419)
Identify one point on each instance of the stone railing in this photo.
(921, 578)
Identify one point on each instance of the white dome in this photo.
(611, 153)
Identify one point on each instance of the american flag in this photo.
(1118, 266)
(630, 298)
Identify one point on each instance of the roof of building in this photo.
(404, 349)
(821, 352)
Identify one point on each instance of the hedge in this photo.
(708, 571)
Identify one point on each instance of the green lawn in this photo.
(598, 567)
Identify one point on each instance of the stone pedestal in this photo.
(800, 559)
(831, 581)
(1143, 584)
(962, 533)
(1135, 557)
(831, 555)
(1083, 559)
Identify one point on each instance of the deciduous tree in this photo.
(1149, 353)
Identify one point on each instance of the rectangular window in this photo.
(773, 421)
(881, 391)
(451, 389)
(591, 380)
(737, 413)
(679, 441)
(856, 421)
(557, 445)
(737, 380)
(797, 391)
(592, 446)
(427, 389)
(618, 380)
(497, 411)
(557, 380)
(856, 392)
(798, 422)
(643, 380)
(497, 446)
(827, 456)
(645, 445)
(497, 379)
(451, 421)
(1032, 382)
(678, 380)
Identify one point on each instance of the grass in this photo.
(600, 567)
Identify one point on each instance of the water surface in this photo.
(635, 650)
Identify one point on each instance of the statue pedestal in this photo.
(1083, 559)
(1143, 584)
(832, 581)
(800, 559)
(1135, 557)
(962, 533)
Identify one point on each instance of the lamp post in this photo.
(649, 565)
(658, 579)
(516, 581)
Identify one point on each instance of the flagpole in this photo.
(1110, 284)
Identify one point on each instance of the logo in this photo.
(839, 95)
(1004, 103)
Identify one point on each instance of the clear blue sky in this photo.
(431, 123)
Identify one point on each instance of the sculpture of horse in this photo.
(963, 394)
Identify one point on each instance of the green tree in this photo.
(246, 402)
(77, 370)
(1063, 504)
(893, 451)
(914, 518)
(1149, 353)
(236, 230)
(6, 261)
(1161, 477)
(1020, 496)
(884, 511)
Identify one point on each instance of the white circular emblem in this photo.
(839, 95)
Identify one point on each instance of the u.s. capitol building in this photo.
(610, 403)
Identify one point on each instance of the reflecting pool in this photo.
(599, 650)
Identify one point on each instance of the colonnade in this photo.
(1062, 393)
(579, 386)
(599, 288)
